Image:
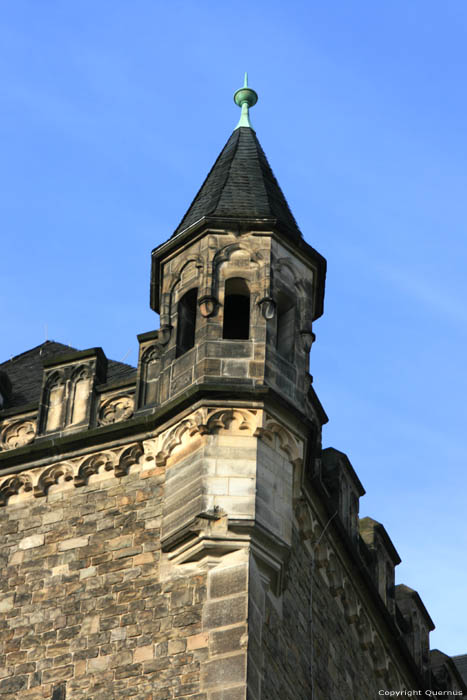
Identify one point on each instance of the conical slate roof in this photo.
(242, 185)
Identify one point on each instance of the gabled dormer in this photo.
(419, 626)
(344, 486)
(67, 391)
(385, 558)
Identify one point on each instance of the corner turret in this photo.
(236, 286)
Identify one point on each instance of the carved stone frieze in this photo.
(235, 421)
(278, 437)
(205, 421)
(14, 486)
(74, 472)
(56, 474)
(257, 423)
(116, 409)
(182, 433)
(17, 433)
(131, 455)
(149, 449)
(102, 462)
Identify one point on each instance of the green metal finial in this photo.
(245, 98)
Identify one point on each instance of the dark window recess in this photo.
(186, 322)
(236, 310)
(285, 328)
(59, 692)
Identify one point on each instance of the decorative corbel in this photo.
(164, 333)
(308, 338)
(268, 307)
(207, 305)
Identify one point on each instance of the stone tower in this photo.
(179, 531)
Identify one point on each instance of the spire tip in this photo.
(245, 98)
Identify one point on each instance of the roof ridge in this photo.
(26, 352)
(179, 229)
(122, 364)
(221, 190)
(260, 153)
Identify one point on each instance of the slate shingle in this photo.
(242, 184)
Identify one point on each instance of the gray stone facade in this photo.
(178, 531)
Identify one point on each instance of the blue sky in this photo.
(113, 112)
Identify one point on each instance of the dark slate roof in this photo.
(25, 371)
(461, 663)
(241, 184)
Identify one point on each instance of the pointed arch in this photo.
(51, 476)
(130, 456)
(54, 402)
(103, 462)
(186, 321)
(14, 486)
(81, 386)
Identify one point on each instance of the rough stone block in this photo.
(181, 598)
(32, 541)
(16, 558)
(90, 625)
(117, 634)
(87, 573)
(7, 603)
(236, 506)
(53, 516)
(128, 671)
(143, 653)
(57, 674)
(10, 686)
(119, 542)
(237, 693)
(241, 487)
(177, 646)
(227, 611)
(197, 641)
(232, 368)
(217, 485)
(229, 640)
(145, 558)
(99, 664)
(227, 581)
(224, 671)
(73, 543)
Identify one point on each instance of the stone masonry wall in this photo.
(95, 606)
(85, 614)
(332, 650)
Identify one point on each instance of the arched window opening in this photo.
(186, 322)
(55, 403)
(236, 310)
(80, 397)
(285, 339)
